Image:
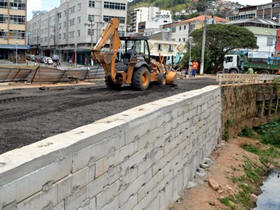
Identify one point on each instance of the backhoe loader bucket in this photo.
(171, 78)
(108, 57)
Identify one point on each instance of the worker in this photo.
(195, 67)
(250, 70)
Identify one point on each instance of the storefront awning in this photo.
(13, 47)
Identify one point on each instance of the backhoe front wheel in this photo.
(141, 78)
(110, 83)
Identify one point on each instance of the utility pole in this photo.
(203, 44)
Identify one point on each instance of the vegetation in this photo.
(248, 184)
(268, 153)
(221, 39)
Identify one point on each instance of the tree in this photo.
(221, 39)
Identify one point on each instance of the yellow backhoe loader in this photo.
(133, 65)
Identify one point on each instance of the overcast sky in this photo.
(33, 5)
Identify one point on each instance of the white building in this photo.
(151, 16)
(181, 30)
(266, 33)
(73, 27)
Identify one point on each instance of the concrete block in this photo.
(63, 188)
(112, 205)
(130, 204)
(30, 184)
(75, 200)
(39, 201)
(59, 206)
(80, 178)
(93, 203)
(97, 185)
(133, 188)
(107, 195)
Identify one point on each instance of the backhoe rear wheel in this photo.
(161, 79)
(110, 83)
(141, 78)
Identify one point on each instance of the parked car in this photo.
(48, 60)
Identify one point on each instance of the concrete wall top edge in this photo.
(19, 162)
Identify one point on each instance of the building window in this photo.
(79, 6)
(91, 3)
(90, 32)
(179, 39)
(185, 27)
(159, 47)
(180, 28)
(90, 18)
(16, 4)
(72, 10)
(59, 36)
(72, 21)
(15, 34)
(4, 4)
(17, 19)
(108, 18)
(59, 15)
(79, 33)
(3, 18)
(184, 39)
(114, 5)
(71, 34)
(79, 19)
(3, 33)
(64, 35)
(173, 29)
(170, 48)
(269, 41)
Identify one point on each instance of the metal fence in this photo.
(238, 79)
(45, 74)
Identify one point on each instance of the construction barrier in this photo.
(46, 74)
(238, 79)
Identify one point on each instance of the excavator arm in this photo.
(107, 59)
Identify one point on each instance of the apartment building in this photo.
(180, 30)
(143, 17)
(71, 29)
(269, 11)
(12, 29)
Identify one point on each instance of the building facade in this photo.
(13, 30)
(180, 30)
(265, 32)
(148, 18)
(74, 27)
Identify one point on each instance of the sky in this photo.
(33, 5)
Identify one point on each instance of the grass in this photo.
(247, 184)
(247, 132)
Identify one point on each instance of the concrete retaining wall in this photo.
(139, 159)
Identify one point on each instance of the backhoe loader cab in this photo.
(132, 65)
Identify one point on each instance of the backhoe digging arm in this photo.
(107, 59)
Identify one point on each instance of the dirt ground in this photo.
(30, 115)
(228, 160)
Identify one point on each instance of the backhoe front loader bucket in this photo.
(171, 77)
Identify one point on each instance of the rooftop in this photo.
(201, 18)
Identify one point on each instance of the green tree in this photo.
(221, 39)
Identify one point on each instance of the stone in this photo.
(213, 184)
(253, 198)
(192, 184)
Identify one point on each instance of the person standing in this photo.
(195, 68)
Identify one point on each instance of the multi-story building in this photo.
(74, 27)
(12, 30)
(148, 16)
(269, 11)
(266, 33)
(180, 30)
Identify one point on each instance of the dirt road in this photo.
(30, 115)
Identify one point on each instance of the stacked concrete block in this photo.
(140, 159)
